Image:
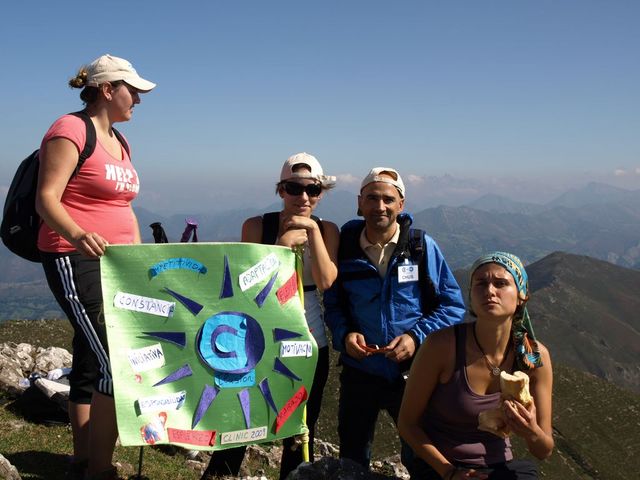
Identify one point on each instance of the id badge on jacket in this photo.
(407, 273)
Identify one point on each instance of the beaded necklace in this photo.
(495, 370)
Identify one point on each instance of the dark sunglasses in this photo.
(296, 189)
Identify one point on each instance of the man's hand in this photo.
(402, 348)
(354, 343)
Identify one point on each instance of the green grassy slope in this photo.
(596, 426)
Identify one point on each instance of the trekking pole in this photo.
(305, 437)
(190, 229)
(159, 236)
(140, 464)
(299, 250)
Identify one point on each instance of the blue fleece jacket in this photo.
(384, 308)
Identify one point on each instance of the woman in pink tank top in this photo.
(456, 375)
(83, 210)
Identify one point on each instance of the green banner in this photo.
(208, 343)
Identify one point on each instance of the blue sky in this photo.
(463, 97)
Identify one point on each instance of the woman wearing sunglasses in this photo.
(301, 186)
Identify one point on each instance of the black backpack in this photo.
(40, 404)
(20, 221)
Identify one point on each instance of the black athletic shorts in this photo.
(74, 281)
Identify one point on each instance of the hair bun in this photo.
(80, 80)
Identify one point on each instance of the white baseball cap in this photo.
(108, 68)
(384, 175)
(311, 163)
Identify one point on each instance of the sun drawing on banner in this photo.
(231, 344)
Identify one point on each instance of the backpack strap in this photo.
(416, 244)
(122, 141)
(350, 240)
(318, 220)
(91, 140)
(417, 248)
(350, 249)
(271, 225)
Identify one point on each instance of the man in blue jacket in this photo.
(393, 289)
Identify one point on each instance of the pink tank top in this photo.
(451, 419)
(99, 197)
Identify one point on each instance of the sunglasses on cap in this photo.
(296, 189)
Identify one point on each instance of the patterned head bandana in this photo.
(526, 346)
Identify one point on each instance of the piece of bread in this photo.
(513, 387)
(492, 421)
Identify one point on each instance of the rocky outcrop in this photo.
(20, 360)
(329, 468)
(51, 358)
(327, 465)
(8, 471)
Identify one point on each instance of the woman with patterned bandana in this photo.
(456, 376)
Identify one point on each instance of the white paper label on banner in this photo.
(136, 303)
(147, 358)
(162, 402)
(242, 436)
(258, 272)
(296, 349)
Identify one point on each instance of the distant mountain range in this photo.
(608, 232)
(586, 312)
(584, 309)
(598, 220)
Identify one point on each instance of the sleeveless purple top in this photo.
(451, 419)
